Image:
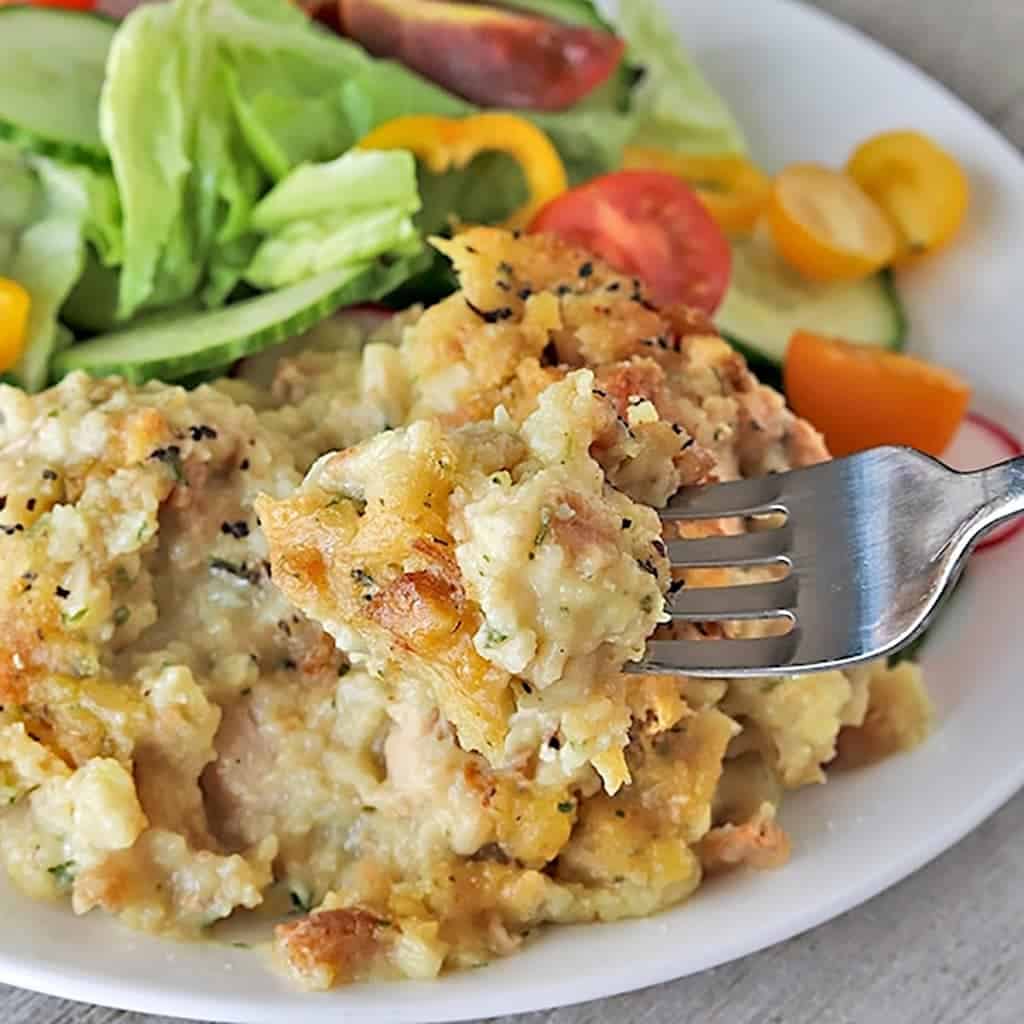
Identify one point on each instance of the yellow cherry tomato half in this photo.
(825, 226)
(14, 309)
(919, 186)
(733, 190)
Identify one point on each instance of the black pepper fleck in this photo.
(491, 316)
(49, 474)
(586, 269)
(647, 566)
(30, 505)
(62, 592)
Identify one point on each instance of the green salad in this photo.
(181, 188)
(205, 178)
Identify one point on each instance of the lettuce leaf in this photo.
(19, 196)
(208, 101)
(46, 257)
(673, 105)
(144, 122)
(326, 216)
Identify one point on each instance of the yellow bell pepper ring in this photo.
(14, 309)
(733, 190)
(443, 143)
(919, 186)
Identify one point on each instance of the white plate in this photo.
(805, 87)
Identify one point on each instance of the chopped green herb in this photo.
(567, 806)
(122, 615)
(494, 638)
(302, 900)
(170, 457)
(70, 617)
(359, 504)
(64, 874)
(18, 797)
(545, 526)
(241, 945)
(647, 604)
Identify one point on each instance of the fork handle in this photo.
(1002, 494)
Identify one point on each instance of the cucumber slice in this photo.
(767, 302)
(172, 347)
(51, 71)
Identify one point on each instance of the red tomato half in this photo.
(649, 224)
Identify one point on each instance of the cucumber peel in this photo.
(174, 347)
(767, 302)
(52, 63)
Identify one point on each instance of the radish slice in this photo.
(979, 443)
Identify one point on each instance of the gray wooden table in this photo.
(945, 946)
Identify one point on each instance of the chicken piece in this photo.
(757, 843)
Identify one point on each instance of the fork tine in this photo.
(737, 498)
(749, 601)
(717, 658)
(732, 549)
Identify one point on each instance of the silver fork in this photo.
(871, 543)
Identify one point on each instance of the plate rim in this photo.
(147, 997)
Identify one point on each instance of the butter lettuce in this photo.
(42, 247)
(328, 216)
(672, 103)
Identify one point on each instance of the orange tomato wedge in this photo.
(733, 190)
(825, 226)
(861, 397)
(918, 185)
